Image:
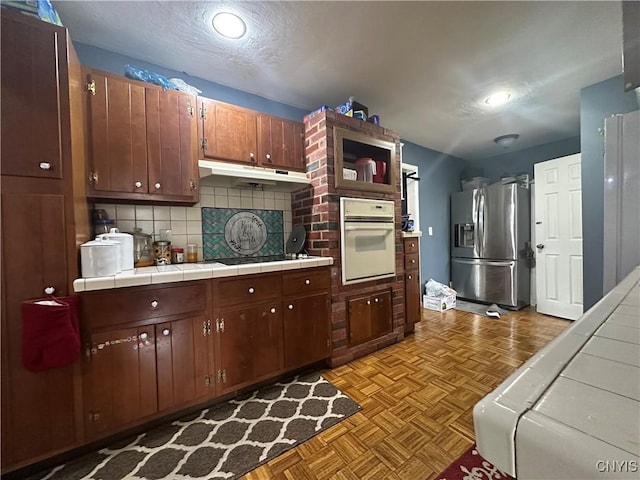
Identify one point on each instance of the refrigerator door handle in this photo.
(480, 235)
(492, 263)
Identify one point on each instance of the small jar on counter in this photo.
(192, 253)
(177, 255)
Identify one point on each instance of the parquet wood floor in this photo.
(417, 398)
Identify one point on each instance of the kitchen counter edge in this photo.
(191, 271)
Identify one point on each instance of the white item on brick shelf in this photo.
(349, 174)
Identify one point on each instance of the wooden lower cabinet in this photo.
(412, 288)
(369, 316)
(307, 329)
(249, 344)
(150, 365)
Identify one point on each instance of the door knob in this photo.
(540, 246)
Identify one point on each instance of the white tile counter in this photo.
(191, 271)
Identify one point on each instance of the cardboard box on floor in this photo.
(439, 304)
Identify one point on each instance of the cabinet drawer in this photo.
(306, 281)
(411, 245)
(411, 261)
(250, 288)
(118, 306)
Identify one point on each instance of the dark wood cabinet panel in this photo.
(106, 308)
(117, 135)
(33, 258)
(250, 288)
(182, 349)
(172, 143)
(369, 316)
(120, 379)
(249, 344)
(307, 336)
(412, 288)
(228, 132)
(33, 109)
(280, 143)
(142, 141)
(306, 281)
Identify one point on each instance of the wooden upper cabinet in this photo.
(117, 135)
(280, 143)
(228, 132)
(142, 141)
(172, 132)
(34, 69)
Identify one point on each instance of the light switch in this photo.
(430, 231)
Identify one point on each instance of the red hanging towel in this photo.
(50, 335)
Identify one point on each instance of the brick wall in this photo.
(317, 207)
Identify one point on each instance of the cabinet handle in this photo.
(45, 166)
(49, 290)
(413, 261)
(252, 155)
(273, 310)
(138, 184)
(154, 304)
(368, 302)
(144, 336)
(413, 244)
(251, 290)
(290, 306)
(409, 277)
(376, 300)
(307, 282)
(268, 155)
(157, 185)
(166, 332)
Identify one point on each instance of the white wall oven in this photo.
(368, 249)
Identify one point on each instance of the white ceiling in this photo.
(424, 67)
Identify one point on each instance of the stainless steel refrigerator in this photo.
(490, 244)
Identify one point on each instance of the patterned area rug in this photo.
(222, 442)
(471, 466)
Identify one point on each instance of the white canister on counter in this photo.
(100, 258)
(126, 247)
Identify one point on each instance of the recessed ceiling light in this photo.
(498, 98)
(229, 25)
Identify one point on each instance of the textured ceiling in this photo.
(424, 67)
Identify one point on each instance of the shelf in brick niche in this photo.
(351, 146)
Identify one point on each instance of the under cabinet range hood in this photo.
(245, 176)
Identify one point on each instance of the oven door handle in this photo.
(350, 228)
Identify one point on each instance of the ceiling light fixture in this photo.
(505, 141)
(229, 25)
(498, 98)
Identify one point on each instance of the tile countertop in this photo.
(191, 271)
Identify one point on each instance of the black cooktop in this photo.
(244, 260)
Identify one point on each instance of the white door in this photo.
(558, 223)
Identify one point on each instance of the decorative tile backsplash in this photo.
(234, 232)
(185, 223)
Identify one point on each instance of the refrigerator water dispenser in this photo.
(465, 235)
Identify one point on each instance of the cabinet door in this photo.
(359, 319)
(280, 143)
(307, 336)
(228, 132)
(172, 143)
(182, 349)
(117, 135)
(412, 296)
(250, 344)
(381, 314)
(37, 408)
(120, 382)
(33, 69)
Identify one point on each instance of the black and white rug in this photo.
(222, 442)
